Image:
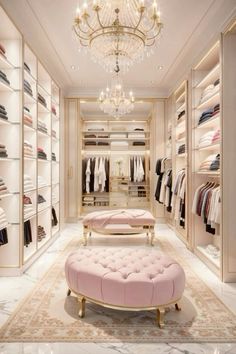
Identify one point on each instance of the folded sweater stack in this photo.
(2, 50)
(27, 68)
(181, 149)
(28, 120)
(41, 154)
(28, 88)
(3, 78)
(54, 111)
(3, 187)
(209, 91)
(54, 133)
(54, 156)
(28, 149)
(28, 184)
(211, 137)
(3, 112)
(209, 113)
(42, 100)
(3, 151)
(42, 127)
(211, 163)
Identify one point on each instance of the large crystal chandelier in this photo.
(114, 101)
(111, 28)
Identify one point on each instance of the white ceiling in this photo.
(189, 25)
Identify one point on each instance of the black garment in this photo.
(159, 180)
(139, 143)
(26, 66)
(107, 169)
(3, 237)
(27, 233)
(169, 185)
(54, 217)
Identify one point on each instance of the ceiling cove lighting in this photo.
(124, 29)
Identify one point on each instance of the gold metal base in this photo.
(149, 229)
(160, 310)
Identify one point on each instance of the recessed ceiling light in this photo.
(160, 67)
(73, 67)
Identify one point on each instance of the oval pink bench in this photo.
(122, 221)
(125, 279)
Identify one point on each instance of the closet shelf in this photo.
(44, 161)
(30, 78)
(42, 89)
(203, 251)
(28, 128)
(209, 147)
(44, 241)
(116, 139)
(210, 102)
(30, 158)
(5, 87)
(43, 208)
(181, 120)
(42, 108)
(55, 230)
(28, 98)
(210, 78)
(54, 116)
(44, 187)
(54, 101)
(179, 140)
(6, 195)
(55, 203)
(115, 132)
(9, 159)
(181, 155)
(30, 190)
(30, 216)
(208, 173)
(40, 211)
(7, 122)
(5, 63)
(45, 135)
(180, 98)
(181, 108)
(55, 139)
(210, 123)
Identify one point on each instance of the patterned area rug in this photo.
(47, 315)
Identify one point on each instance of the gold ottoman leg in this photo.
(68, 292)
(81, 301)
(85, 236)
(160, 317)
(152, 236)
(177, 307)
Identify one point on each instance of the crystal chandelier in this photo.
(114, 100)
(117, 28)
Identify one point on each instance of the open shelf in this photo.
(212, 101)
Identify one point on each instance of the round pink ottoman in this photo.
(126, 279)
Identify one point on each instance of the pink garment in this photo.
(125, 277)
(100, 219)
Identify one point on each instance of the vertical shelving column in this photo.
(44, 155)
(55, 134)
(206, 144)
(10, 143)
(180, 154)
(30, 153)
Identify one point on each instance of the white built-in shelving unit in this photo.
(15, 132)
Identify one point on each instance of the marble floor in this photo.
(14, 289)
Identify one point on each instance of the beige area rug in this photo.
(47, 315)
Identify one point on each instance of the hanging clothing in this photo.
(207, 205)
(88, 173)
(178, 198)
(160, 168)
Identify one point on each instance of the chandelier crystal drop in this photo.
(123, 28)
(114, 101)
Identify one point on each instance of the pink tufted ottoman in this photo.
(125, 279)
(121, 221)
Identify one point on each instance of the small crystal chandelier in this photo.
(114, 100)
(111, 28)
